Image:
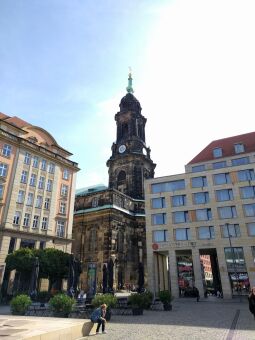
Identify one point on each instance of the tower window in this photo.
(121, 178)
(124, 130)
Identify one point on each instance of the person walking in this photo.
(98, 316)
(196, 293)
(251, 299)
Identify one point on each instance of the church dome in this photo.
(130, 103)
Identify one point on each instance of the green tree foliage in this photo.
(53, 263)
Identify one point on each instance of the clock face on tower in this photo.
(122, 148)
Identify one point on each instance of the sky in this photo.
(64, 67)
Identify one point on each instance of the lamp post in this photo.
(233, 256)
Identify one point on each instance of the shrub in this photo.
(61, 304)
(136, 300)
(43, 296)
(147, 299)
(109, 299)
(165, 296)
(19, 304)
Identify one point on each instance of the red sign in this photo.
(155, 246)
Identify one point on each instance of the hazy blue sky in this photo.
(64, 67)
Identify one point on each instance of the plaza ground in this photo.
(211, 318)
(208, 319)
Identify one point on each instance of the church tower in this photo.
(130, 162)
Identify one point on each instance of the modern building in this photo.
(37, 189)
(208, 210)
(109, 222)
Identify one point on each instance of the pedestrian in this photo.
(251, 299)
(196, 293)
(98, 316)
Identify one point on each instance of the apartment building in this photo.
(37, 189)
(207, 211)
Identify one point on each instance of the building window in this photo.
(180, 216)
(94, 202)
(44, 223)
(246, 175)
(51, 168)
(160, 236)
(30, 198)
(158, 219)
(41, 182)
(35, 162)
(27, 158)
(217, 152)
(1, 191)
(64, 190)
(222, 178)
(16, 218)
(38, 202)
(249, 209)
(251, 228)
(158, 203)
(247, 192)
(33, 180)
(235, 258)
(6, 151)
(66, 174)
(203, 214)
(62, 208)
(227, 212)
(253, 253)
(42, 245)
(21, 196)
(27, 244)
(239, 147)
(198, 168)
(3, 169)
(206, 233)
(201, 197)
(230, 230)
(240, 161)
(26, 220)
(182, 234)
(219, 165)
(224, 195)
(60, 228)
(178, 200)
(92, 240)
(44, 164)
(23, 177)
(49, 185)
(47, 203)
(199, 182)
(35, 222)
(168, 186)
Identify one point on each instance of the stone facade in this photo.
(208, 210)
(109, 223)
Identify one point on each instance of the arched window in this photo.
(121, 178)
(93, 240)
(125, 130)
(120, 241)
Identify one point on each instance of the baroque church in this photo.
(109, 222)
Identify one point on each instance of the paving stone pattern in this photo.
(188, 320)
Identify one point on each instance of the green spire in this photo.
(129, 87)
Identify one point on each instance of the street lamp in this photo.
(233, 255)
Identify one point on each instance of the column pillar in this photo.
(225, 283)
(197, 271)
(173, 274)
(250, 265)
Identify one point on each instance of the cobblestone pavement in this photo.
(189, 320)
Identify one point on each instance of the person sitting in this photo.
(98, 316)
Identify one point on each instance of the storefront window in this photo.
(185, 273)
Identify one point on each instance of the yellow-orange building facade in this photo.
(37, 189)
